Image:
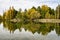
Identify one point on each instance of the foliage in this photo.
(32, 14)
(43, 12)
(58, 12)
(10, 14)
(19, 14)
(47, 15)
(45, 9)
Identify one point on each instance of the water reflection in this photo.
(0, 21)
(40, 28)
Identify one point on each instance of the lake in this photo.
(29, 31)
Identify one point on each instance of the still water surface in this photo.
(29, 31)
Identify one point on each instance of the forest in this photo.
(41, 12)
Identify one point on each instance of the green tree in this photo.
(33, 8)
(58, 12)
(52, 13)
(39, 9)
(19, 14)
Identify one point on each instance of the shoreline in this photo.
(40, 20)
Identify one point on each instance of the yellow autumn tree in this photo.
(32, 14)
(10, 14)
(45, 9)
(47, 15)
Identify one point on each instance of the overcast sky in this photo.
(26, 4)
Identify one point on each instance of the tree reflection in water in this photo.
(0, 21)
(43, 28)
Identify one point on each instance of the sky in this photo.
(26, 4)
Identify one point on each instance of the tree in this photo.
(10, 14)
(47, 15)
(45, 9)
(33, 8)
(51, 11)
(32, 14)
(4, 14)
(19, 14)
(39, 9)
(58, 12)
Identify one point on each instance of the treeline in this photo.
(43, 12)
